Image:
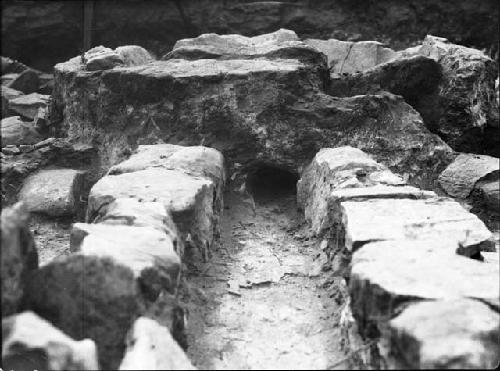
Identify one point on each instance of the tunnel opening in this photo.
(269, 182)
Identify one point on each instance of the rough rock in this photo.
(12, 66)
(101, 58)
(27, 105)
(460, 177)
(387, 274)
(46, 83)
(149, 253)
(271, 111)
(488, 191)
(55, 192)
(19, 256)
(134, 55)
(129, 211)
(350, 57)
(8, 78)
(469, 118)
(334, 168)
(8, 94)
(379, 219)
(445, 334)
(15, 131)
(187, 198)
(87, 297)
(11, 150)
(31, 343)
(27, 82)
(151, 346)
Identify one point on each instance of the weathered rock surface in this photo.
(31, 343)
(16, 131)
(445, 334)
(133, 55)
(55, 192)
(12, 66)
(101, 58)
(460, 177)
(27, 105)
(19, 256)
(266, 110)
(151, 346)
(351, 57)
(189, 199)
(469, 112)
(87, 297)
(488, 191)
(149, 253)
(418, 270)
(130, 211)
(27, 82)
(8, 94)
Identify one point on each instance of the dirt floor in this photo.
(263, 300)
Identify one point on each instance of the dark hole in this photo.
(271, 182)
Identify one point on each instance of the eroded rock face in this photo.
(19, 256)
(445, 334)
(149, 253)
(30, 342)
(87, 297)
(151, 346)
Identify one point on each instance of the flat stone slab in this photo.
(460, 177)
(446, 334)
(380, 192)
(30, 343)
(387, 274)
(393, 219)
(151, 346)
(149, 253)
(15, 132)
(189, 199)
(53, 192)
(337, 168)
(27, 105)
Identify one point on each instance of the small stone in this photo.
(134, 55)
(32, 343)
(101, 58)
(150, 346)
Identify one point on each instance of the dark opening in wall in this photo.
(270, 182)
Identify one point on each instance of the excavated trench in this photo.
(263, 300)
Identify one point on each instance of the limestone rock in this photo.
(387, 274)
(151, 346)
(19, 256)
(261, 110)
(460, 177)
(87, 297)
(134, 55)
(350, 57)
(27, 82)
(189, 199)
(15, 131)
(129, 211)
(445, 334)
(27, 105)
(101, 58)
(361, 221)
(467, 96)
(54, 192)
(149, 253)
(30, 342)
(334, 168)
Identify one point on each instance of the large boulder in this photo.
(55, 192)
(15, 131)
(149, 253)
(469, 111)
(151, 346)
(87, 297)
(19, 256)
(252, 110)
(445, 334)
(31, 343)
